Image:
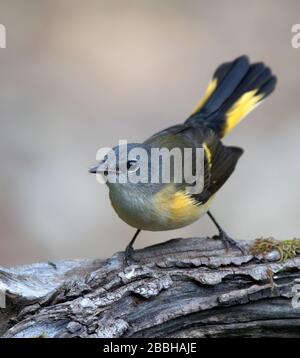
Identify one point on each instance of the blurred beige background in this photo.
(79, 75)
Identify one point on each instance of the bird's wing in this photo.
(219, 160)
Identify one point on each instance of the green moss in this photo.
(288, 249)
(42, 335)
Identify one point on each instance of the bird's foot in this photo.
(229, 242)
(128, 256)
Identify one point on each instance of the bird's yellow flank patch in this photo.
(209, 91)
(245, 104)
(176, 206)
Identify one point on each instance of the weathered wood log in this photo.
(181, 288)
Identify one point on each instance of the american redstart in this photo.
(237, 88)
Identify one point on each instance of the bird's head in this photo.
(125, 164)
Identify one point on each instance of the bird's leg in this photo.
(129, 249)
(227, 240)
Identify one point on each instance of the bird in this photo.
(235, 89)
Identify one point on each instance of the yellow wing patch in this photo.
(209, 91)
(207, 154)
(240, 109)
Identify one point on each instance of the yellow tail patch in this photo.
(209, 91)
(240, 109)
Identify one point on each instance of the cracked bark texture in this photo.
(181, 288)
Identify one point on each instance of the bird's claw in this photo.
(229, 242)
(128, 256)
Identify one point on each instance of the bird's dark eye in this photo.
(132, 165)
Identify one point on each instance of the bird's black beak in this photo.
(101, 168)
(93, 170)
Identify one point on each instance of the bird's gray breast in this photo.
(134, 207)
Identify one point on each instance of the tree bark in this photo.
(181, 288)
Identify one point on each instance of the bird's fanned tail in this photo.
(236, 89)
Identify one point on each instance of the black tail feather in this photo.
(233, 80)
